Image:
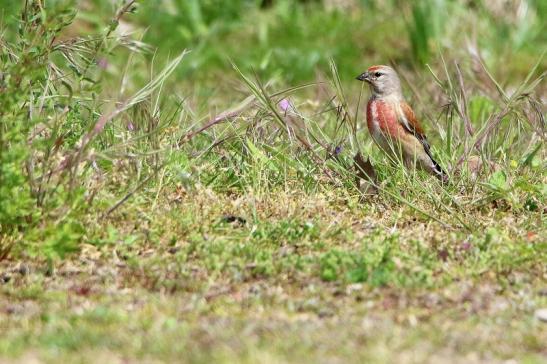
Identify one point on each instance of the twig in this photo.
(224, 116)
(462, 105)
(126, 197)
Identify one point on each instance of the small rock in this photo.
(5, 278)
(355, 287)
(233, 219)
(173, 249)
(325, 312)
(12, 309)
(23, 269)
(254, 289)
(541, 314)
(285, 250)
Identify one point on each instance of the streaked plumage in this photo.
(392, 123)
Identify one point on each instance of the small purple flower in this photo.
(130, 126)
(102, 63)
(284, 104)
(466, 246)
(338, 150)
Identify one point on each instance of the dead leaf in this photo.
(366, 177)
(476, 166)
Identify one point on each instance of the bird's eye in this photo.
(377, 74)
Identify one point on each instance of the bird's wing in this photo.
(410, 123)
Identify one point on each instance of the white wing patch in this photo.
(404, 120)
(374, 112)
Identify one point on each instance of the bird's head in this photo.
(383, 80)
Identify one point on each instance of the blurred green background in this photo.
(293, 40)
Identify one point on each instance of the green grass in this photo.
(158, 205)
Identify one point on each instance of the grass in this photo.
(188, 192)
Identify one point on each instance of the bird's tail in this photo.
(439, 172)
(437, 169)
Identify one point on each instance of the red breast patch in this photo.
(382, 115)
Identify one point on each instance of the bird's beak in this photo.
(364, 77)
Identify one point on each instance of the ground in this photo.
(179, 183)
(302, 278)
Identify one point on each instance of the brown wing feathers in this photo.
(411, 124)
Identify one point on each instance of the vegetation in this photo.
(178, 182)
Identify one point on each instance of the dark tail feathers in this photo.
(439, 172)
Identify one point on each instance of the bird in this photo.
(393, 124)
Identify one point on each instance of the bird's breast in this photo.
(382, 119)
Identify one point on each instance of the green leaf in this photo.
(499, 180)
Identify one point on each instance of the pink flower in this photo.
(284, 105)
(102, 63)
